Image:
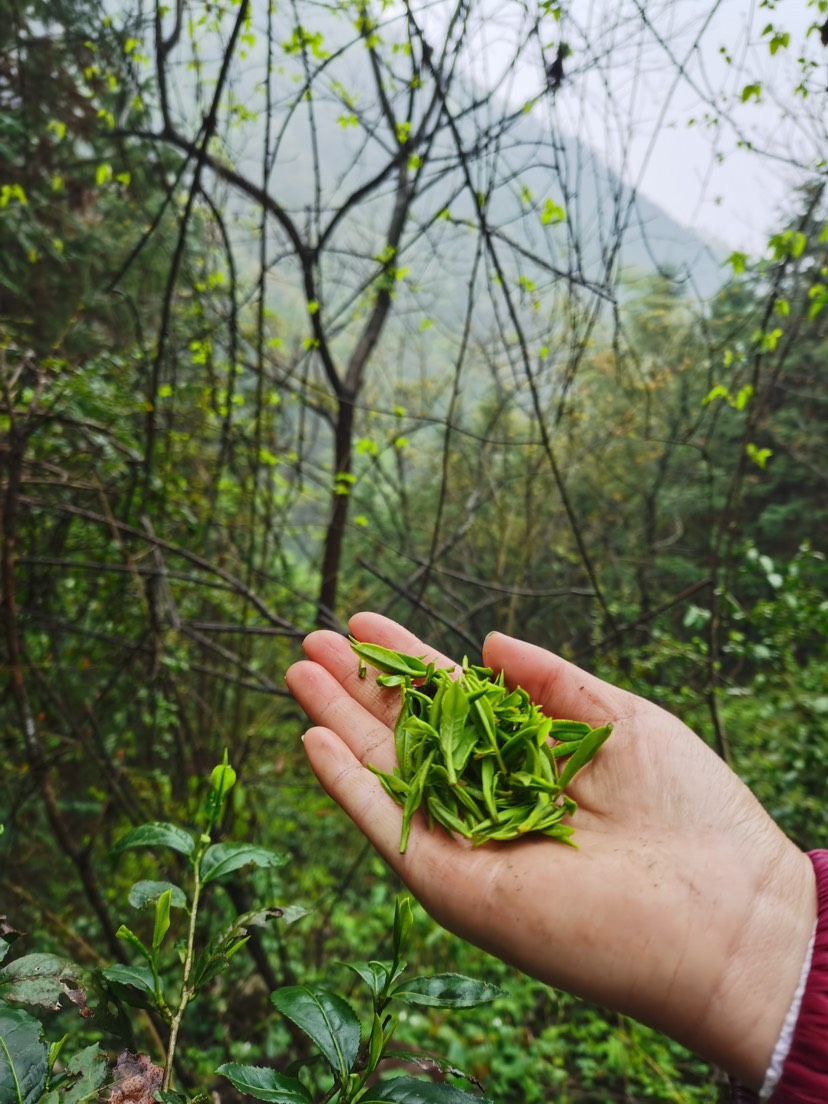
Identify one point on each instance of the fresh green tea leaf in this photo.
(265, 1084)
(326, 1019)
(156, 834)
(144, 894)
(130, 937)
(476, 755)
(390, 662)
(586, 750)
(408, 1090)
(403, 922)
(374, 974)
(135, 977)
(224, 858)
(447, 991)
(162, 919)
(216, 955)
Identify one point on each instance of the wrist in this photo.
(757, 989)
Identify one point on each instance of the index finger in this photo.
(378, 629)
(360, 711)
(333, 652)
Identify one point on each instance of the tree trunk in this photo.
(340, 501)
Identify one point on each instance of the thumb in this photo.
(559, 687)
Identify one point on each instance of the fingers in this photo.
(356, 790)
(334, 695)
(332, 651)
(451, 880)
(377, 629)
(560, 688)
(364, 728)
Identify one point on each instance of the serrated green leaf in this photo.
(136, 977)
(446, 991)
(223, 858)
(265, 1084)
(24, 1057)
(89, 1066)
(408, 1090)
(156, 834)
(145, 894)
(374, 974)
(214, 958)
(326, 1019)
(40, 979)
(172, 1096)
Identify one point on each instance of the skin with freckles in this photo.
(684, 905)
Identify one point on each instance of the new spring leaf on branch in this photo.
(475, 755)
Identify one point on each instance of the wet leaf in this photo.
(156, 834)
(447, 991)
(265, 1084)
(326, 1019)
(24, 1057)
(224, 858)
(408, 1090)
(40, 979)
(145, 894)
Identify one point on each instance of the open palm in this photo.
(684, 905)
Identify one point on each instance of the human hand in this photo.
(684, 905)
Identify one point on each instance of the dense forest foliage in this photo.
(306, 309)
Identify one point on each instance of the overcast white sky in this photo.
(698, 174)
(642, 69)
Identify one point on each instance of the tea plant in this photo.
(354, 1054)
(349, 1055)
(476, 754)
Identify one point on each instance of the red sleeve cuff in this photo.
(805, 1072)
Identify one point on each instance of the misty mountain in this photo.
(328, 155)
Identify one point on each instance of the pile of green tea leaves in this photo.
(475, 755)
